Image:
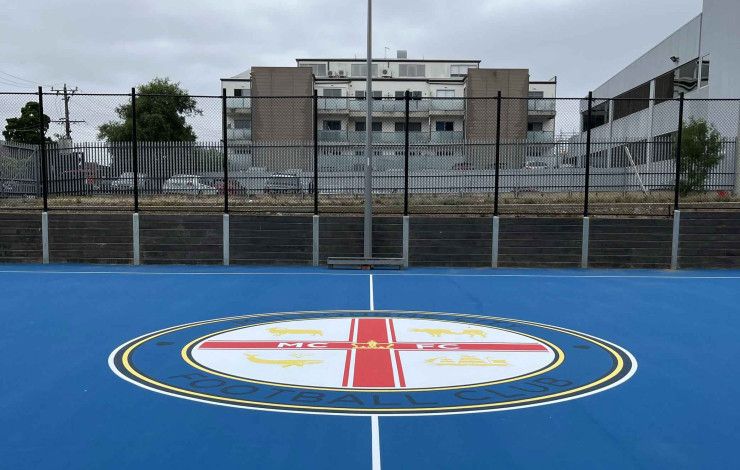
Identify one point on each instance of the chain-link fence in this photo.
(307, 154)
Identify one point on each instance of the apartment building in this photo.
(445, 109)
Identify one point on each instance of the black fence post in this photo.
(679, 136)
(588, 153)
(42, 146)
(135, 150)
(315, 152)
(498, 153)
(225, 138)
(407, 99)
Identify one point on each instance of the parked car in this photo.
(535, 166)
(125, 181)
(187, 184)
(462, 166)
(233, 186)
(283, 183)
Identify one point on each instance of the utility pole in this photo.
(67, 93)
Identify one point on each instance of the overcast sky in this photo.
(110, 46)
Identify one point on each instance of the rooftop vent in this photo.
(402, 54)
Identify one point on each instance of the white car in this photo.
(535, 166)
(125, 181)
(187, 184)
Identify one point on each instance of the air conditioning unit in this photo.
(342, 74)
(331, 73)
(386, 73)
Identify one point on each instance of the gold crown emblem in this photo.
(372, 344)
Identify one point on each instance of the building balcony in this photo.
(392, 138)
(447, 137)
(239, 134)
(540, 137)
(389, 105)
(332, 104)
(447, 104)
(238, 103)
(541, 106)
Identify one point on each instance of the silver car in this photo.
(187, 184)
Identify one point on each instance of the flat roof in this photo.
(475, 61)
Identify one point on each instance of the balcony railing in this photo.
(332, 104)
(540, 137)
(239, 134)
(541, 105)
(389, 106)
(447, 104)
(238, 103)
(447, 137)
(392, 138)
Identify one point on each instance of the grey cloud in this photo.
(110, 46)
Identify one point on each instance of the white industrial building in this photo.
(701, 59)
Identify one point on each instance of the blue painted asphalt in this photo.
(62, 407)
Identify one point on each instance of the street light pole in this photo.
(368, 240)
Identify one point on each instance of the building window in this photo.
(377, 95)
(459, 70)
(333, 92)
(445, 93)
(319, 70)
(237, 92)
(332, 125)
(360, 126)
(445, 126)
(360, 70)
(359, 94)
(632, 101)
(599, 116)
(242, 124)
(413, 127)
(534, 126)
(686, 78)
(704, 71)
(415, 95)
(411, 70)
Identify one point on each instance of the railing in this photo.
(392, 138)
(540, 136)
(541, 104)
(235, 103)
(239, 134)
(389, 105)
(448, 104)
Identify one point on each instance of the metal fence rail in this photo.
(431, 155)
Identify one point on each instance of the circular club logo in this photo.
(372, 362)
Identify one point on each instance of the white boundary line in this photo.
(667, 275)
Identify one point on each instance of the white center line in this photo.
(375, 426)
(374, 422)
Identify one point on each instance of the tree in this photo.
(25, 129)
(700, 152)
(161, 108)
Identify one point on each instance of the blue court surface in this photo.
(261, 368)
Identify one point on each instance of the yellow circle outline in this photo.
(267, 406)
(559, 354)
